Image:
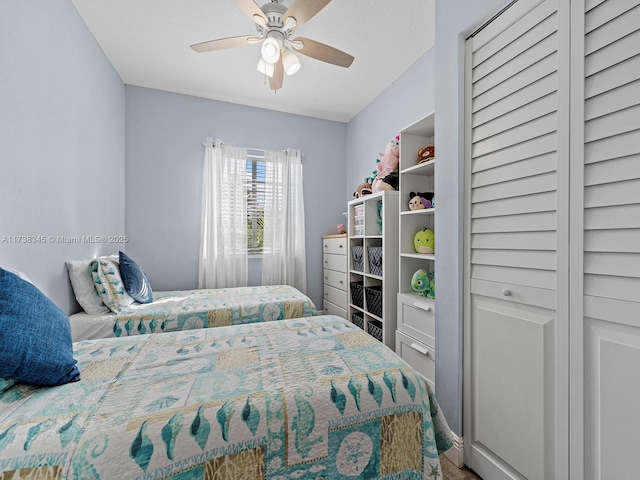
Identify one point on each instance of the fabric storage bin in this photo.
(358, 320)
(359, 230)
(374, 300)
(357, 294)
(357, 257)
(375, 260)
(374, 328)
(358, 210)
(358, 220)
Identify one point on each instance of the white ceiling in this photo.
(147, 41)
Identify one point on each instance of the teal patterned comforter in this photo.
(308, 398)
(192, 309)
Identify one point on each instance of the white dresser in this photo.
(334, 260)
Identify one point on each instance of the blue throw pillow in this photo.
(35, 336)
(134, 279)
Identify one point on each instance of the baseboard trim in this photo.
(456, 452)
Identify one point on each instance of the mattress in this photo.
(193, 309)
(302, 398)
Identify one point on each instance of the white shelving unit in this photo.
(415, 336)
(374, 308)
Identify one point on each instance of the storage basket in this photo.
(374, 300)
(375, 260)
(357, 258)
(357, 294)
(358, 210)
(357, 320)
(359, 230)
(375, 330)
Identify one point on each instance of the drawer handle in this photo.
(420, 348)
(325, 245)
(326, 294)
(423, 306)
(340, 246)
(326, 278)
(506, 292)
(326, 261)
(341, 282)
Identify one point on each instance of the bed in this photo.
(192, 309)
(117, 300)
(306, 398)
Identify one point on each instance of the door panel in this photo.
(516, 229)
(513, 370)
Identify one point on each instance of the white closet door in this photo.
(517, 245)
(608, 317)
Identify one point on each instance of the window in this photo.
(255, 181)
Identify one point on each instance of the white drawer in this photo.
(337, 245)
(335, 279)
(335, 296)
(416, 317)
(335, 262)
(421, 357)
(331, 309)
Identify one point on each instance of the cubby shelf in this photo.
(415, 337)
(377, 249)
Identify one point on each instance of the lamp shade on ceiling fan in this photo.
(290, 62)
(271, 49)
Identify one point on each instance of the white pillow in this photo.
(83, 287)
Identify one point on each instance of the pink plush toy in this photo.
(390, 158)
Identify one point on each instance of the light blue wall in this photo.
(406, 100)
(164, 149)
(454, 21)
(61, 141)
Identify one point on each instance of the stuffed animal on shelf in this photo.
(363, 189)
(424, 241)
(387, 182)
(424, 283)
(425, 154)
(390, 158)
(386, 172)
(420, 200)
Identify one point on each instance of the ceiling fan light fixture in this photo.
(290, 62)
(265, 68)
(271, 49)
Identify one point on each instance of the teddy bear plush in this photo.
(425, 154)
(420, 200)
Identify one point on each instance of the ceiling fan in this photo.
(275, 24)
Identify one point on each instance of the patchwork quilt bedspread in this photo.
(192, 309)
(306, 398)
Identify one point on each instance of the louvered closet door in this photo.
(610, 320)
(517, 228)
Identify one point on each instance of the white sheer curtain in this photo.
(284, 261)
(223, 241)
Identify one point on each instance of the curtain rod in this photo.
(258, 149)
(248, 148)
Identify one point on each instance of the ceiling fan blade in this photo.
(250, 8)
(324, 53)
(222, 43)
(303, 10)
(275, 82)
